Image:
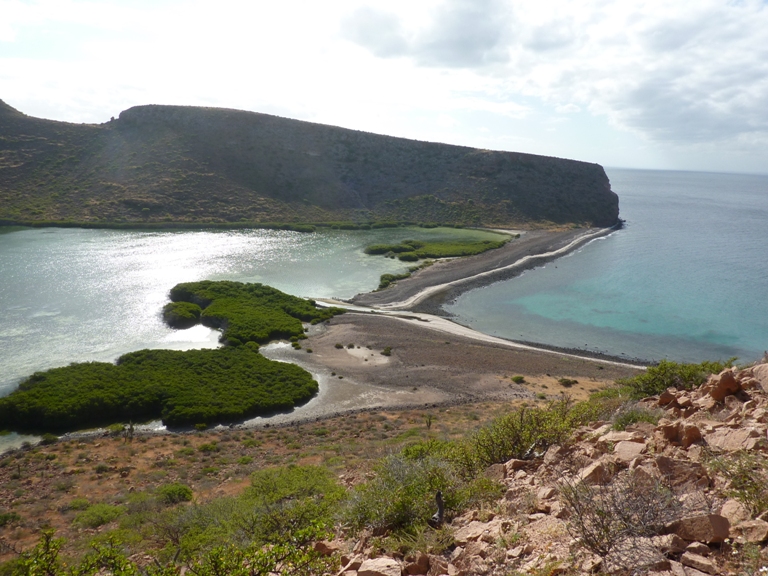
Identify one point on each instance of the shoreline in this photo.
(419, 374)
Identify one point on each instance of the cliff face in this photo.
(174, 163)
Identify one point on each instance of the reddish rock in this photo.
(627, 451)
(707, 528)
(735, 511)
(669, 544)
(379, 567)
(667, 397)
(760, 373)
(327, 548)
(698, 562)
(698, 548)
(755, 531)
(682, 472)
(734, 440)
(595, 473)
(419, 565)
(478, 530)
(722, 385)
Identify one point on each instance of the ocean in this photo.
(686, 279)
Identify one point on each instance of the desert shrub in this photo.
(631, 413)
(521, 434)
(567, 382)
(386, 279)
(408, 257)
(78, 504)
(608, 519)
(387, 351)
(518, 379)
(48, 438)
(174, 493)
(97, 515)
(747, 476)
(8, 518)
(401, 496)
(668, 374)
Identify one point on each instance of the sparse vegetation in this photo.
(668, 374)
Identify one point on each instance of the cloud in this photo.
(460, 34)
(679, 73)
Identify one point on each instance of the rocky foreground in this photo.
(655, 499)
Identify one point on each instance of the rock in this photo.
(477, 530)
(496, 472)
(478, 548)
(705, 403)
(698, 562)
(669, 543)
(327, 548)
(419, 565)
(667, 397)
(682, 472)
(698, 548)
(755, 531)
(379, 567)
(513, 465)
(677, 569)
(689, 434)
(735, 511)
(615, 436)
(760, 373)
(723, 385)
(546, 492)
(595, 473)
(554, 455)
(707, 528)
(733, 440)
(626, 451)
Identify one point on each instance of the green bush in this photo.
(97, 515)
(631, 413)
(518, 379)
(747, 477)
(174, 493)
(668, 374)
(180, 387)
(78, 504)
(8, 518)
(181, 314)
(250, 312)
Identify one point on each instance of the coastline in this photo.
(419, 373)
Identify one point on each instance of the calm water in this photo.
(69, 295)
(687, 279)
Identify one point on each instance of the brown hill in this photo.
(190, 164)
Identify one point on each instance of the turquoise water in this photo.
(686, 279)
(71, 295)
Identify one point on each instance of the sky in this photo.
(661, 84)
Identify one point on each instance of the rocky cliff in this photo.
(189, 164)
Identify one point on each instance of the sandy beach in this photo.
(434, 361)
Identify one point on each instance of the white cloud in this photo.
(689, 78)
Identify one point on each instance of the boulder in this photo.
(755, 531)
(667, 397)
(669, 544)
(707, 528)
(379, 567)
(698, 548)
(682, 472)
(722, 385)
(734, 440)
(627, 451)
(698, 562)
(418, 565)
(615, 436)
(735, 511)
(476, 530)
(595, 473)
(760, 373)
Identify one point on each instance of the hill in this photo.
(158, 164)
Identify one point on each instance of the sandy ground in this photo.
(426, 289)
(428, 366)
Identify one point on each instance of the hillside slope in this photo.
(190, 164)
